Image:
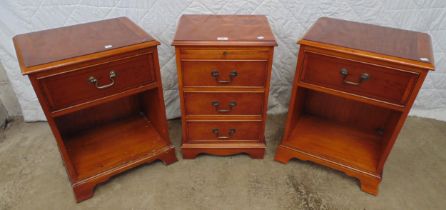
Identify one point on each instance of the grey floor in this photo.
(32, 176)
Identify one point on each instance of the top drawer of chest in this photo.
(364, 79)
(96, 81)
(245, 53)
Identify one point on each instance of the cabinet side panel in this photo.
(296, 98)
(60, 144)
(180, 92)
(153, 101)
(400, 122)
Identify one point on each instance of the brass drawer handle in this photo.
(231, 133)
(231, 105)
(94, 81)
(216, 76)
(362, 78)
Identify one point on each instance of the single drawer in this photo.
(222, 53)
(76, 87)
(222, 103)
(224, 73)
(386, 84)
(223, 131)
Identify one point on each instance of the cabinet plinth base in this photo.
(369, 182)
(255, 150)
(370, 185)
(84, 189)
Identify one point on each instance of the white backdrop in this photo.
(289, 20)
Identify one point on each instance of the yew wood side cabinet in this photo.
(353, 88)
(224, 67)
(100, 89)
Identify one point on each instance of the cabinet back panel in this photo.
(357, 114)
(97, 115)
(155, 111)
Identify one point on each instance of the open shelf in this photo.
(336, 141)
(98, 149)
(112, 135)
(349, 133)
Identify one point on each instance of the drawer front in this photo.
(224, 73)
(377, 82)
(223, 53)
(94, 82)
(221, 103)
(223, 131)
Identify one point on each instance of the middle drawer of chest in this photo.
(227, 103)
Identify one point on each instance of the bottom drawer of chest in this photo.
(213, 131)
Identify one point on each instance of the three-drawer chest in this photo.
(100, 89)
(353, 89)
(224, 67)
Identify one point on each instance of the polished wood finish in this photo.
(201, 132)
(106, 142)
(224, 67)
(386, 84)
(252, 73)
(224, 30)
(340, 142)
(349, 121)
(221, 103)
(225, 54)
(131, 72)
(368, 38)
(111, 124)
(57, 44)
(254, 150)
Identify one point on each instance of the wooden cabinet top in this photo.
(228, 30)
(37, 50)
(372, 40)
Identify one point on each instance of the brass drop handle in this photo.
(94, 81)
(216, 74)
(216, 104)
(362, 78)
(231, 133)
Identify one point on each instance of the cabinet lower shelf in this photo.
(336, 142)
(113, 144)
